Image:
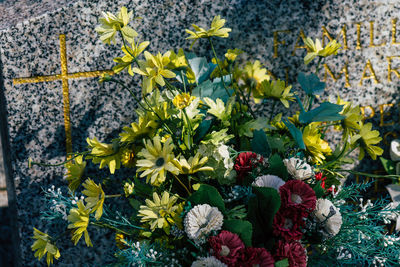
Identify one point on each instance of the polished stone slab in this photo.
(266, 30)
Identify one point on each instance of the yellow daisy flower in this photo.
(182, 100)
(254, 74)
(367, 140)
(104, 154)
(315, 145)
(154, 70)
(145, 126)
(75, 169)
(157, 160)
(193, 165)
(215, 30)
(130, 54)
(94, 197)
(160, 212)
(128, 158)
(111, 23)
(177, 60)
(43, 245)
(316, 49)
(232, 54)
(276, 90)
(79, 221)
(352, 122)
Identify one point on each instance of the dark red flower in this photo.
(226, 247)
(293, 251)
(287, 224)
(256, 257)
(245, 163)
(297, 196)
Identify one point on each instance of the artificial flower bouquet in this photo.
(209, 180)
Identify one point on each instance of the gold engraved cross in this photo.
(64, 77)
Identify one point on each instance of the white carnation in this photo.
(395, 150)
(329, 215)
(269, 181)
(298, 168)
(201, 220)
(208, 262)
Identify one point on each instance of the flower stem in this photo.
(130, 91)
(184, 186)
(111, 196)
(389, 176)
(33, 163)
(272, 111)
(219, 67)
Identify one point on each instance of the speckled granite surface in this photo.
(34, 111)
(14, 11)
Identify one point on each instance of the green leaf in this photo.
(204, 90)
(311, 84)
(135, 204)
(282, 263)
(259, 143)
(276, 143)
(201, 68)
(277, 167)
(325, 112)
(319, 191)
(208, 194)
(262, 208)
(296, 133)
(390, 166)
(202, 130)
(242, 228)
(251, 125)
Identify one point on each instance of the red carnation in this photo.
(256, 257)
(287, 225)
(319, 177)
(297, 196)
(293, 251)
(226, 247)
(245, 163)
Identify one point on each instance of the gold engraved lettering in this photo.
(394, 40)
(301, 37)
(386, 135)
(358, 46)
(277, 42)
(383, 113)
(371, 36)
(287, 76)
(364, 114)
(390, 69)
(343, 32)
(371, 70)
(344, 71)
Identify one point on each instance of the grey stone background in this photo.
(29, 47)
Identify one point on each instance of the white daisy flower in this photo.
(298, 168)
(330, 217)
(201, 220)
(208, 262)
(269, 181)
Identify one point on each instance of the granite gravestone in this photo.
(56, 57)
